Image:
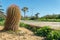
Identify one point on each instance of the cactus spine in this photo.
(13, 18)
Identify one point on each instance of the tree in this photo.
(59, 16)
(37, 15)
(24, 9)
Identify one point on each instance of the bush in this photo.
(33, 18)
(44, 31)
(1, 19)
(54, 35)
(34, 29)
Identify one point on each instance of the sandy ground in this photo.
(24, 34)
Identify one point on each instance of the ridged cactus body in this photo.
(13, 18)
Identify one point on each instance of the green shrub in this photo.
(34, 29)
(54, 35)
(44, 31)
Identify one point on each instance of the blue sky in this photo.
(43, 7)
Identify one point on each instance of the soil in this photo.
(24, 34)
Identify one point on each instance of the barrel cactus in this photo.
(13, 18)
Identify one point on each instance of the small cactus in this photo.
(13, 18)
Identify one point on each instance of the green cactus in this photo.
(13, 18)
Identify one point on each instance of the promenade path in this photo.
(53, 25)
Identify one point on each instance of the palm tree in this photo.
(24, 9)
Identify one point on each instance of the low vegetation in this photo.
(45, 31)
(2, 22)
(53, 35)
(49, 20)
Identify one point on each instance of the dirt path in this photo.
(53, 25)
(24, 34)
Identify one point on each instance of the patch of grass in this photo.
(2, 23)
(24, 25)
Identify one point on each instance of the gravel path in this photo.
(53, 25)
